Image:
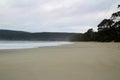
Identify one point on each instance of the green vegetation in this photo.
(108, 30)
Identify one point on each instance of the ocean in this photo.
(29, 44)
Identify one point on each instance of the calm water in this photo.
(29, 44)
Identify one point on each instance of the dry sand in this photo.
(78, 61)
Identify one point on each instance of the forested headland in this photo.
(108, 30)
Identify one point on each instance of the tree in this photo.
(106, 23)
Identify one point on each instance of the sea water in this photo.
(29, 44)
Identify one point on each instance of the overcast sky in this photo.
(54, 15)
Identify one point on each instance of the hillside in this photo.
(45, 36)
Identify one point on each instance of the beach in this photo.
(77, 61)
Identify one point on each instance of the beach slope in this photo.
(78, 61)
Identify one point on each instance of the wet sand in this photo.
(78, 61)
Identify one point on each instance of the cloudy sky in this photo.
(54, 15)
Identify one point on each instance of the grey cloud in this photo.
(62, 15)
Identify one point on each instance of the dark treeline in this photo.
(108, 30)
(44, 36)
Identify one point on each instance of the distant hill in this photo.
(45, 36)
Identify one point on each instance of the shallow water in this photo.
(29, 44)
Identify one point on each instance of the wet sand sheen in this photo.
(78, 61)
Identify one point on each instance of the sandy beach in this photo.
(78, 61)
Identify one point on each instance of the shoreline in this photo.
(61, 45)
(78, 61)
(7, 45)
